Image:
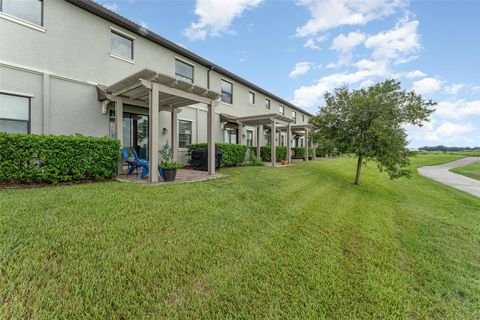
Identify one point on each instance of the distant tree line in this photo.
(448, 149)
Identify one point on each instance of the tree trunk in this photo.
(359, 170)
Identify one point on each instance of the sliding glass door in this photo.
(135, 132)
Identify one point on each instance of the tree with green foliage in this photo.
(369, 122)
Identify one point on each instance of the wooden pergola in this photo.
(159, 92)
(272, 120)
(302, 129)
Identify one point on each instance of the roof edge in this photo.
(104, 13)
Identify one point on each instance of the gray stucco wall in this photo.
(73, 54)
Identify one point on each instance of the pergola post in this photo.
(273, 135)
(240, 133)
(153, 101)
(174, 135)
(306, 144)
(259, 133)
(289, 143)
(210, 138)
(119, 126)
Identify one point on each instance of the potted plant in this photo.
(167, 166)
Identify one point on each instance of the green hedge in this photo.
(281, 154)
(232, 154)
(31, 158)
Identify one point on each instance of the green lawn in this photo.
(472, 170)
(296, 242)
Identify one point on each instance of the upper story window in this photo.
(183, 71)
(294, 116)
(28, 10)
(121, 45)
(251, 97)
(267, 104)
(303, 118)
(14, 113)
(227, 91)
(281, 110)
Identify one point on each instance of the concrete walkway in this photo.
(441, 174)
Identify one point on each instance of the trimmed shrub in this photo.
(299, 152)
(266, 151)
(232, 154)
(31, 158)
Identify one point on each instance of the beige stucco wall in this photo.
(73, 54)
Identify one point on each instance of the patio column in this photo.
(289, 143)
(259, 132)
(240, 133)
(273, 136)
(153, 101)
(306, 144)
(119, 127)
(210, 137)
(174, 135)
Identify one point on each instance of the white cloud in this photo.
(399, 43)
(447, 131)
(415, 74)
(458, 109)
(313, 42)
(328, 14)
(345, 43)
(427, 85)
(343, 60)
(216, 16)
(300, 68)
(454, 88)
(112, 6)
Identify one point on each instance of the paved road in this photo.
(441, 174)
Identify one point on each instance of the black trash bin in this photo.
(199, 159)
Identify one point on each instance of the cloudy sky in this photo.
(299, 49)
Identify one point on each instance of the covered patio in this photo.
(159, 92)
(302, 130)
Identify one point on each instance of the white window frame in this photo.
(26, 96)
(221, 100)
(281, 110)
(127, 36)
(253, 95)
(191, 133)
(269, 104)
(188, 63)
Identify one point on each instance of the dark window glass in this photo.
(281, 110)
(28, 10)
(267, 104)
(184, 133)
(121, 46)
(14, 114)
(251, 97)
(227, 91)
(231, 135)
(303, 118)
(183, 71)
(294, 116)
(249, 138)
(267, 136)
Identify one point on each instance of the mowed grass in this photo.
(296, 242)
(472, 170)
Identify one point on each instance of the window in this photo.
(281, 110)
(251, 97)
(14, 114)
(303, 118)
(231, 135)
(121, 45)
(184, 133)
(28, 10)
(282, 140)
(227, 91)
(294, 116)
(267, 104)
(183, 71)
(267, 136)
(249, 138)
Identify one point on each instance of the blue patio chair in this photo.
(132, 165)
(141, 163)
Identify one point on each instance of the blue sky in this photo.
(299, 49)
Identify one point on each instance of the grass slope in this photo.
(296, 242)
(472, 170)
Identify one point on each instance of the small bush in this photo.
(266, 153)
(31, 158)
(232, 154)
(299, 152)
(254, 161)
